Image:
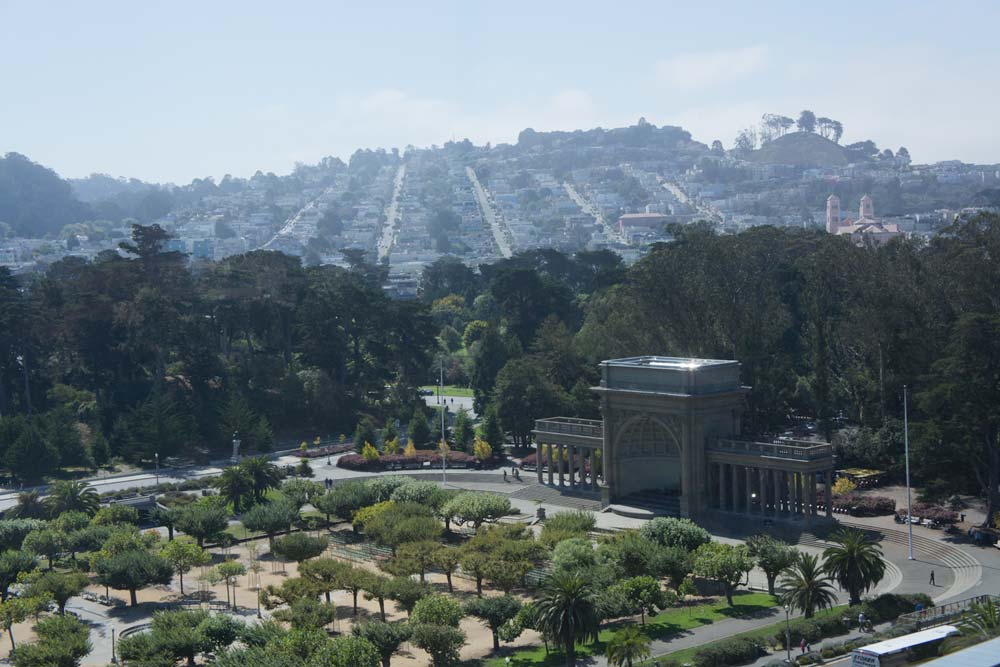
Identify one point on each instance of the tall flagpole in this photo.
(906, 446)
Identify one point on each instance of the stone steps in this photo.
(646, 505)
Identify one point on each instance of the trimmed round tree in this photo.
(494, 612)
(132, 570)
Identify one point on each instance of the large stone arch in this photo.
(648, 451)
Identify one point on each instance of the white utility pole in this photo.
(906, 449)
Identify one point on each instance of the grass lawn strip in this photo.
(764, 633)
(449, 390)
(666, 624)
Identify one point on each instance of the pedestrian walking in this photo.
(505, 475)
(802, 646)
(932, 579)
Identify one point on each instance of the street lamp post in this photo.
(236, 448)
(156, 457)
(114, 659)
(788, 638)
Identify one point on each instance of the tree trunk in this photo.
(570, 644)
(135, 601)
(729, 595)
(182, 582)
(479, 586)
(10, 631)
(381, 608)
(496, 640)
(770, 580)
(328, 597)
(355, 591)
(447, 576)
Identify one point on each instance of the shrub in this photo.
(889, 606)
(417, 458)
(727, 652)
(671, 532)
(810, 658)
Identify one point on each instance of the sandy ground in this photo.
(479, 641)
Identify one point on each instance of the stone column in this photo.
(538, 460)
(793, 504)
(776, 484)
(593, 471)
(800, 505)
(809, 489)
(812, 494)
(550, 461)
(828, 480)
(735, 475)
(749, 490)
(762, 489)
(721, 471)
(562, 465)
(572, 465)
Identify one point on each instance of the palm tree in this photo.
(72, 496)
(29, 506)
(983, 617)
(263, 474)
(567, 610)
(854, 562)
(807, 588)
(235, 484)
(627, 646)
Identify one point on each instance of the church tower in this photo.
(867, 209)
(832, 214)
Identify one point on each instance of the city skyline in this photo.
(149, 93)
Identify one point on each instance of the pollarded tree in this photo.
(271, 518)
(12, 564)
(643, 593)
(443, 642)
(772, 556)
(724, 563)
(230, 571)
(116, 514)
(62, 642)
(325, 573)
(345, 652)
(202, 520)
(301, 491)
(355, 580)
(477, 508)
(414, 558)
(387, 638)
(47, 542)
(494, 612)
(307, 614)
(854, 561)
(57, 586)
(807, 588)
(567, 610)
(407, 592)
(446, 559)
(132, 570)
(300, 547)
(377, 588)
(437, 610)
(183, 556)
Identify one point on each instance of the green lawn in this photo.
(687, 655)
(667, 623)
(450, 390)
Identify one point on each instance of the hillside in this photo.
(802, 149)
(34, 201)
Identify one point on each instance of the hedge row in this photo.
(735, 651)
(329, 450)
(858, 505)
(388, 461)
(886, 607)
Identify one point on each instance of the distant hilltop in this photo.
(802, 149)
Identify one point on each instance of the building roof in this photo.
(672, 363)
(986, 654)
(897, 644)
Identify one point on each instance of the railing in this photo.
(799, 450)
(588, 428)
(945, 613)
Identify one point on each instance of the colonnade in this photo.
(773, 491)
(571, 464)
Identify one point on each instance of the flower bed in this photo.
(932, 512)
(858, 505)
(401, 462)
(329, 450)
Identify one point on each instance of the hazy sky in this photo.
(174, 90)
